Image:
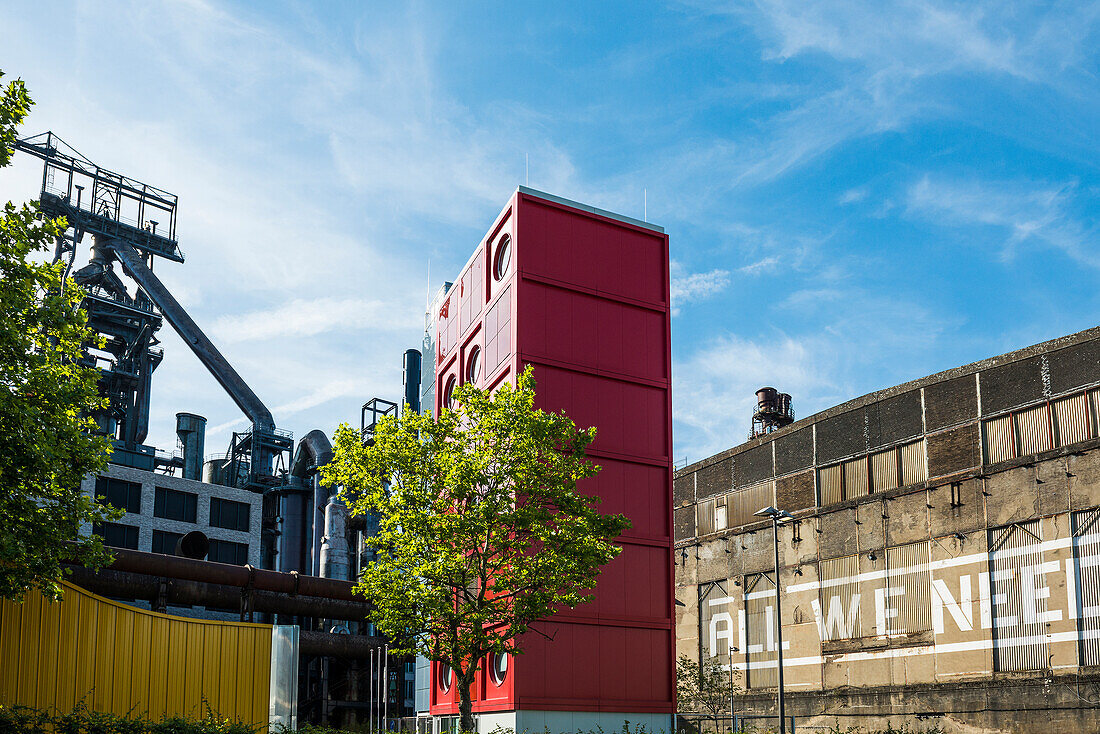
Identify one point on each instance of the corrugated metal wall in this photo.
(1086, 548)
(846, 590)
(1019, 639)
(856, 482)
(119, 659)
(907, 567)
(830, 485)
(760, 631)
(1033, 430)
(884, 470)
(914, 464)
(1000, 441)
(1071, 418)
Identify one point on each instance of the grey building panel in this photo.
(1011, 385)
(714, 479)
(146, 522)
(895, 419)
(1074, 366)
(950, 402)
(794, 451)
(752, 466)
(840, 436)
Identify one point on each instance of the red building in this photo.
(583, 296)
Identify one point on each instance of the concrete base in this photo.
(571, 722)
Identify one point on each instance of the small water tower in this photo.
(773, 411)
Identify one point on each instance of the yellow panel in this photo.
(27, 662)
(104, 660)
(116, 657)
(140, 670)
(914, 463)
(12, 623)
(47, 655)
(158, 665)
(85, 679)
(67, 652)
(123, 642)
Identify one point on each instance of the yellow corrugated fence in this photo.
(120, 659)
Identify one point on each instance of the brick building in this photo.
(944, 559)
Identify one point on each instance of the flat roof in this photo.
(590, 209)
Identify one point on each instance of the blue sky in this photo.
(857, 193)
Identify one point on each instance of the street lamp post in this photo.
(776, 516)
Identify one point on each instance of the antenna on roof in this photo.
(526, 169)
(645, 205)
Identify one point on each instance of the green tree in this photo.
(48, 443)
(706, 688)
(481, 529)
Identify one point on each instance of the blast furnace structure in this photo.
(582, 295)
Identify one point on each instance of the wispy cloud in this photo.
(1026, 212)
(760, 266)
(301, 318)
(688, 287)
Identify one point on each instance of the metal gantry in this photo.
(133, 223)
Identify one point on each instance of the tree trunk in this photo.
(466, 706)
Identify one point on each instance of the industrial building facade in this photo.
(943, 561)
(582, 295)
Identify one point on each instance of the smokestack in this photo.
(191, 431)
(411, 378)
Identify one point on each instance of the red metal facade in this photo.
(585, 300)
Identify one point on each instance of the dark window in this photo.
(225, 551)
(118, 493)
(117, 535)
(165, 542)
(229, 514)
(174, 505)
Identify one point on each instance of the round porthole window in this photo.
(473, 364)
(445, 677)
(499, 667)
(449, 392)
(503, 258)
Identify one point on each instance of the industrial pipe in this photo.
(187, 569)
(161, 591)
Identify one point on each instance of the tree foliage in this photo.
(48, 443)
(706, 688)
(481, 529)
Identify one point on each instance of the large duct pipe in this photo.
(410, 375)
(314, 451)
(334, 546)
(183, 592)
(191, 431)
(176, 567)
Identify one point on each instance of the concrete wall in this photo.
(970, 596)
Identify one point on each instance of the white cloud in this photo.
(301, 318)
(765, 265)
(1027, 212)
(852, 196)
(714, 389)
(689, 287)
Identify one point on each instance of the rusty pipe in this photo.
(184, 592)
(225, 574)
